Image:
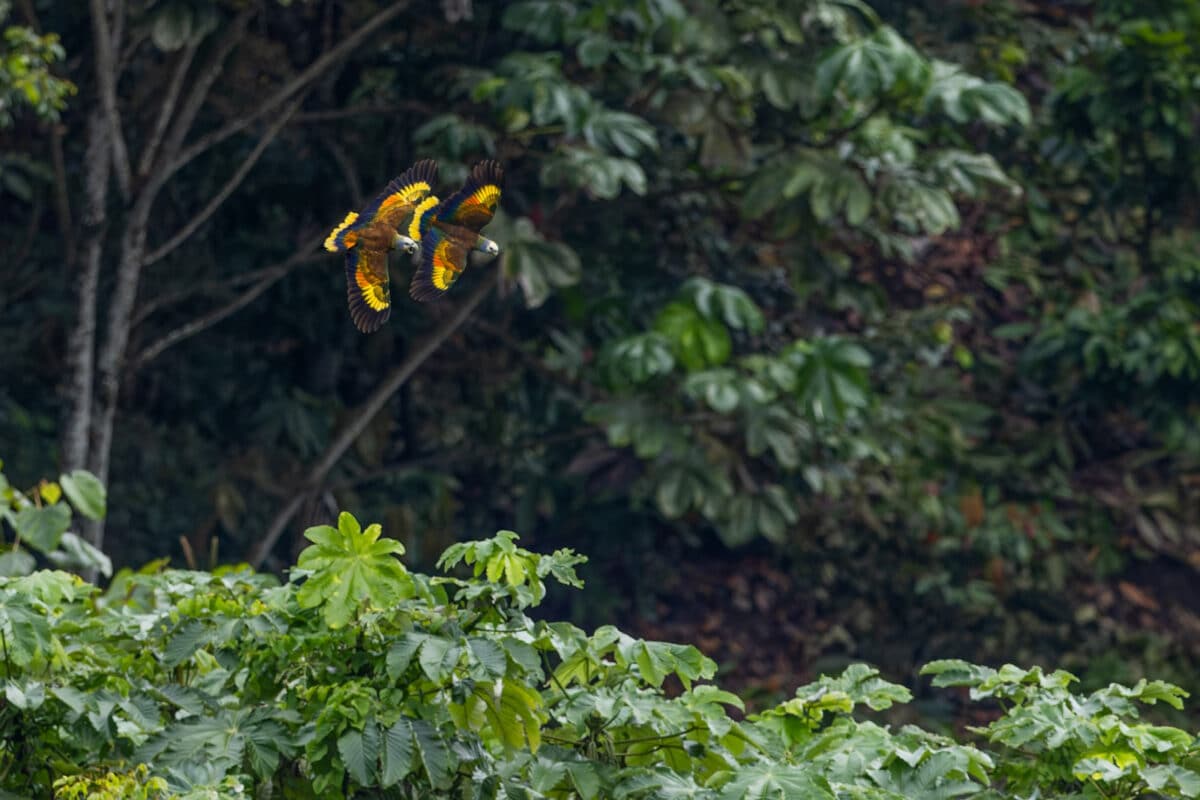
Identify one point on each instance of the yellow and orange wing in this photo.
(442, 261)
(367, 288)
(474, 205)
(402, 194)
(395, 203)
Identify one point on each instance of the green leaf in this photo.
(642, 357)
(400, 654)
(14, 563)
(717, 301)
(355, 748)
(397, 753)
(439, 657)
(776, 781)
(435, 757)
(348, 566)
(42, 528)
(86, 493)
(1161, 776)
(488, 655)
(538, 266)
(697, 342)
(79, 554)
(185, 640)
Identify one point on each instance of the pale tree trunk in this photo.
(97, 370)
(81, 347)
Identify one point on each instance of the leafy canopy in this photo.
(226, 685)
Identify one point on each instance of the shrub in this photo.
(359, 678)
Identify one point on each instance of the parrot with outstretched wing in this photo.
(366, 237)
(448, 231)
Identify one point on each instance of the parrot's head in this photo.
(487, 247)
(405, 244)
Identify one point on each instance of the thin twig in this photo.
(270, 277)
(106, 82)
(206, 76)
(167, 109)
(332, 114)
(362, 416)
(346, 165)
(222, 195)
(314, 70)
(207, 287)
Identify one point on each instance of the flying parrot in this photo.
(366, 237)
(448, 231)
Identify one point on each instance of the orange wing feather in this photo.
(442, 261)
(367, 288)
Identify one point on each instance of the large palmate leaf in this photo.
(346, 566)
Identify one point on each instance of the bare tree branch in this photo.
(206, 76)
(269, 278)
(346, 165)
(332, 114)
(170, 100)
(106, 82)
(211, 286)
(118, 32)
(362, 416)
(314, 70)
(230, 186)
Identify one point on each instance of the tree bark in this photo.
(106, 83)
(81, 346)
(362, 416)
(96, 371)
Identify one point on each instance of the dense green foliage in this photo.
(359, 678)
(38, 521)
(904, 294)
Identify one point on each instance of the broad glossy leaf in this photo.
(42, 528)
(86, 493)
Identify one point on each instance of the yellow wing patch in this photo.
(335, 242)
(401, 200)
(445, 272)
(367, 288)
(374, 292)
(403, 193)
(423, 208)
(442, 261)
(486, 196)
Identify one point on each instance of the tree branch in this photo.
(346, 165)
(170, 100)
(221, 196)
(269, 277)
(106, 82)
(363, 415)
(229, 282)
(207, 76)
(343, 48)
(332, 114)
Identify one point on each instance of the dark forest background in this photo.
(828, 331)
